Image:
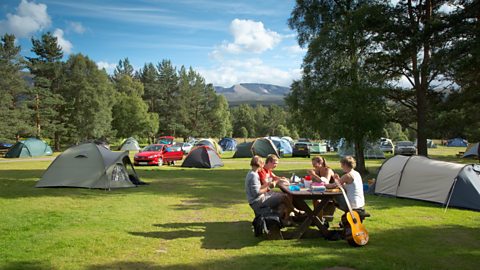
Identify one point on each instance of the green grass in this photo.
(199, 219)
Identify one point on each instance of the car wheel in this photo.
(160, 162)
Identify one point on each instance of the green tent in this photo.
(264, 147)
(30, 147)
(318, 148)
(130, 144)
(89, 166)
(244, 150)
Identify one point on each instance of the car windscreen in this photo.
(153, 148)
(405, 144)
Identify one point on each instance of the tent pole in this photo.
(450, 194)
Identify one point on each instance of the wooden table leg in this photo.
(312, 217)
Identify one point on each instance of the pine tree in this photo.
(14, 113)
(47, 101)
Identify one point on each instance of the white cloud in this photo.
(76, 27)
(30, 18)
(109, 67)
(294, 49)
(250, 70)
(250, 36)
(65, 44)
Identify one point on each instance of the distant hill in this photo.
(254, 93)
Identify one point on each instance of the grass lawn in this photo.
(199, 219)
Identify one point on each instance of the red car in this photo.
(157, 154)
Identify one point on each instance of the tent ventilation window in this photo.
(119, 173)
(81, 156)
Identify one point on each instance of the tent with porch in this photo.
(31, 147)
(244, 150)
(371, 151)
(422, 178)
(202, 157)
(264, 147)
(283, 146)
(90, 166)
(130, 144)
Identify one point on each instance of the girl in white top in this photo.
(352, 183)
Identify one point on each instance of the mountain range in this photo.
(254, 93)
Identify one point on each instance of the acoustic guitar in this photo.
(355, 232)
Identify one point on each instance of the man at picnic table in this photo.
(266, 174)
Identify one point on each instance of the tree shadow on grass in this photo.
(27, 265)
(215, 235)
(415, 247)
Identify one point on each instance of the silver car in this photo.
(405, 148)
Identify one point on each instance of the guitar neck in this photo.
(348, 203)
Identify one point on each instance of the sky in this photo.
(227, 42)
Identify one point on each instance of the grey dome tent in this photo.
(244, 150)
(264, 147)
(421, 178)
(130, 144)
(31, 147)
(473, 150)
(371, 151)
(90, 166)
(202, 157)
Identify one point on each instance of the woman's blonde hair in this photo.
(349, 161)
(256, 161)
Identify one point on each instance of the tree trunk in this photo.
(359, 147)
(56, 142)
(422, 89)
(37, 115)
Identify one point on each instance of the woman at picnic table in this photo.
(320, 172)
(261, 198)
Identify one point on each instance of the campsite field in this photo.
(199, 219)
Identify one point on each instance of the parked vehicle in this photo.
(185, 147)
(301, 149)
(167, 140)
(157, 154)
(386, 145)
(405, 148)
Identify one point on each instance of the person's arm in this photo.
(340, 181)
(256, 187)
(314, 175)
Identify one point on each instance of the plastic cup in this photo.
(307, 183)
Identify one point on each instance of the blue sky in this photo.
(228, 42)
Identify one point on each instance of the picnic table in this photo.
(299, 199)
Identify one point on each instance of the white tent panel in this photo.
(389, 175)
(428, 179)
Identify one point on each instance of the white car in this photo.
(186, 147)
(386, 145)
(405, 148)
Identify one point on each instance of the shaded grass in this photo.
(199, 219)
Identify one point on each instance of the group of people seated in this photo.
(260, 181)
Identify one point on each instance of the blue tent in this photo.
(228, 144)
(457, 142)
(283, 146)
